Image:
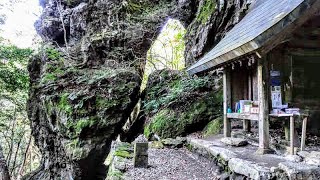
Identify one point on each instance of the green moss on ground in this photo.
(124, 154)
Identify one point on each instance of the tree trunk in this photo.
(4, 172)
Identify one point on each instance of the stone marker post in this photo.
(140, 158)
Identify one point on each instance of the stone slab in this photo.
(249, 169)
(313, 158)
(231, 141)
(299, 171)
(244, 161)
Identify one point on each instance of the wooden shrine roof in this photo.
(263, 26)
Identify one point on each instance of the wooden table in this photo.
(304, 128)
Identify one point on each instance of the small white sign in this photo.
(276, 96)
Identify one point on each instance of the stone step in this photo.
(244, 162)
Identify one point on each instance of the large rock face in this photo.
(86, 79)
(214, 18)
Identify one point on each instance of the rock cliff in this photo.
(86, 78)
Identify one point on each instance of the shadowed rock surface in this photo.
(85, 80)
(213, 20)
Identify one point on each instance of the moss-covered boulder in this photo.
(176, 105)
(85, 85)
(214, 127)
(75, 113)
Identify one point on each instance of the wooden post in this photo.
(247, 123)
(304, 129)
(226, 102)
(263, 94)
(291, 135)
(287, 129)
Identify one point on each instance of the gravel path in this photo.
(171, 164)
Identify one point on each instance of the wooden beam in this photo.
(251, 117)
(226, 101)
(263, 94)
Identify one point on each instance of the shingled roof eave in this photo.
(263, 39)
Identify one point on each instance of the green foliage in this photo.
(53, 54)
(177, 90)
(83, 123)
(167, 50)
(51, 76)
(133, 7)
(206, 10)
(48, 77)
(147, 131)
(15, 137)
(178, 105)
(13, 73)
(213, 128)
(64, 103)
(164, 124)
(172, 123)
(75, 128)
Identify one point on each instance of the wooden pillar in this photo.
(304, 130)
(247, 123)
(263, 95)
(291, 135)
(287, 129)
(226, 102)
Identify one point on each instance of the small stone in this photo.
(173, 143)
(234, 141)
(303, 154)
(313, 158)
(294, 158)
(141, 138)
(224, 176)
(274, 169)
(156, 145)
(182, 139)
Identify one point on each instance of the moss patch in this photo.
(206, 10)
(214, 127)
(64, 104)
(177, 105)
(124, 154)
